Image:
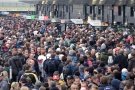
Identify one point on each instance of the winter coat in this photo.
(131, 64)
(102, 86)
(16, 64)
(121, 60)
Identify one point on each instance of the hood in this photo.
(115, 83)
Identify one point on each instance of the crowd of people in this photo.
(36, 55)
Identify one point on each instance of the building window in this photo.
(119, 10)
(90, 9)
(99, 10)
(131, 11)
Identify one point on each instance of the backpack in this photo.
(109, 88)
(110, 60)
(66, 70)
(103, 56)
(31, 76)
(51, 66)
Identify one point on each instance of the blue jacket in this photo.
(124, 76)
(102, 86)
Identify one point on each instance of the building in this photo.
(111, 11)
(14, 6)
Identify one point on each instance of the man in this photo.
(21, 56)
(70, 81)
(51, 66)
(16, 65)
(29, 73)
(4, 81)
(131, 63)
(121, 60)
(95, 83)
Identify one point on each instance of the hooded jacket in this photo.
(16, 64)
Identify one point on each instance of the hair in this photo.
(81, 60)
(63, 87)
(52, 84)
(94, 78)
(15, 86)
(74, 85)
(46, 85)
(117, 74)
(130, 75)
(50, 78)
(26, 67)
(42, 88)
(104, 80)
(128, 85)
(24, 88)
(43, 52)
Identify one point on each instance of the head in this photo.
(70, 79)
(77, 80)
(24, 88)
(52, 84)
(84, 86)
(19, 50)
(15, 86)
(104, 80)
(95, 80)
(74, 87)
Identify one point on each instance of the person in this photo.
(53, 64)
(16, 65)
(131, 63)
(103, 83)
(30, 74)
(4, 81)
(69, 81)
(24, 88)
(74, 87)
(121, 60)
(15, 86)
(95, 83)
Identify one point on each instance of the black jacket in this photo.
(131, 64)
(16, 64)
(22, 58)
(121, 60)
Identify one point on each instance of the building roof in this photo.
(86, 2)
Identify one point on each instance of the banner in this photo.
(95, 22)
(28, 17)
(41, 18)
(33, 16)
(77, 21)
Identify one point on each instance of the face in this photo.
(77, 81)
(38, 49)
(69, 81)
(84, 85)
(19, 50)
(31, 56)
(74, 87)
(109, 69)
